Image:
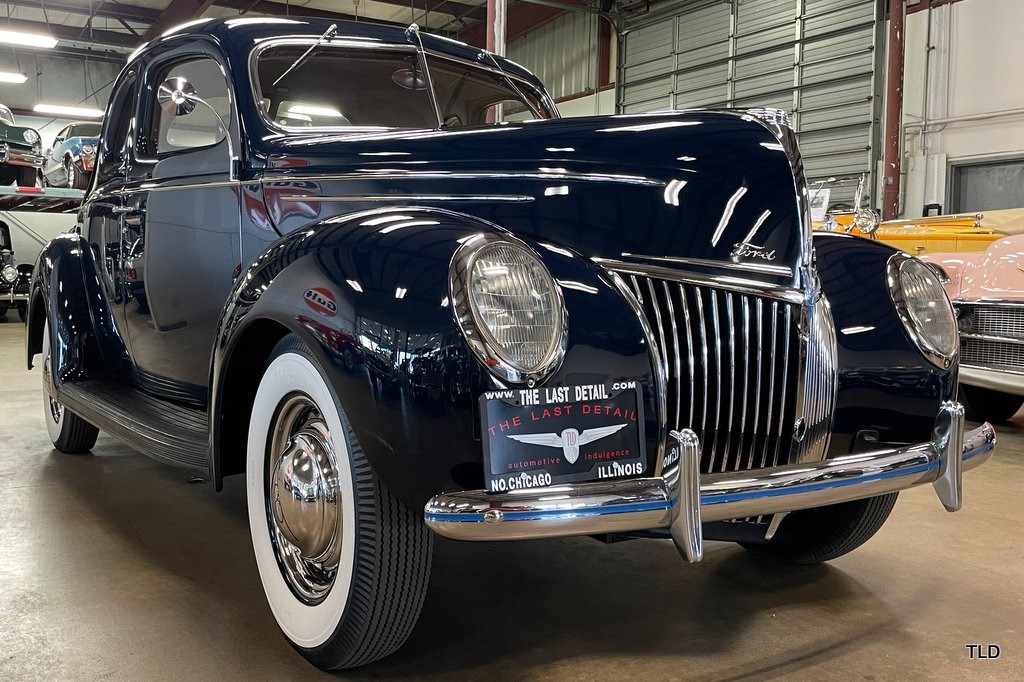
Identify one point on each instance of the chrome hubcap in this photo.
(304, 499)
(56, 409)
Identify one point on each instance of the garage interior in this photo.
(115, 566)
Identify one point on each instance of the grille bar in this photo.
(727, 359)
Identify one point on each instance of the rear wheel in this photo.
(343, 563)
(68, 432)
(811, 536)
(984, 404)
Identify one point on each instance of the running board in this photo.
(157, 428)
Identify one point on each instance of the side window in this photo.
(113, 141)
(192, 124)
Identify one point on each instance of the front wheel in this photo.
(984, 404)
(76, 179)
(68, 432)
(812, 536)
(343, 563)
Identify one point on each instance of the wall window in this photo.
(987, 186)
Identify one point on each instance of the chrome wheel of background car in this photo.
(303, 498)
(323, 526)
(69, 168)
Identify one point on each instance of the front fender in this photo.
(66, 293)
(369, 297)
(887, 388)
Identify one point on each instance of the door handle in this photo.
(121, 210)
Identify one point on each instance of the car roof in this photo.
(242, 33)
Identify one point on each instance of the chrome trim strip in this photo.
(783, 270)
(758, 309)
(650, 503)
(409, 197)
(1004, 380)
(988, 301)
(660, 379)
(718, 371)
(691, 358)
(819, 380)
(743, 286)
(989, 337)
(771, 393)
(746, 379)
(732, 378)
(400, 174)
(167, 187)
(704, 360)
(675, 346)
(785, 379)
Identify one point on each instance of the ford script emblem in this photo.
(747, 250)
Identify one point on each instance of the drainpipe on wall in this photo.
(893, 111)
(496, 26)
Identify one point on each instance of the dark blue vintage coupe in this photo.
(372, 272)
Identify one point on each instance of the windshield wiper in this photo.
(508, 79)
(331, 30)
(413, 33)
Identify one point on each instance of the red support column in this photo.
(893, 111)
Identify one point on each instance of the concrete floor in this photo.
(115, 567)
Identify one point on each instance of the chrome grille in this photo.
(1006, 321)
(733, 363)
(992, 354)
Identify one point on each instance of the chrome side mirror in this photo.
(177, 96)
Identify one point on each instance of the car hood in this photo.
(996, 273)
(709, 188)
(15, 134)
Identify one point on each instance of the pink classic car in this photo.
(987, 291)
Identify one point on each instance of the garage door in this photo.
(815, 59)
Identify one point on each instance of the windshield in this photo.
(339, 86)
(84, 130)
(6, 116)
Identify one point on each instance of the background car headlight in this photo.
(30, 136)
(9, 274)
(922, 304)
(509, 308)
(88, 149)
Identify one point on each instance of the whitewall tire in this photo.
(344, 564)
(68, 432)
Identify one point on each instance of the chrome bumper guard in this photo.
(682, 499)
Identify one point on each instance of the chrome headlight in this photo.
(30, 136)
(88, 149)
(509, 308)
(866, 220)
(9, 273)
(922, 304)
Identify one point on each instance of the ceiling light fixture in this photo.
(12, 77)
(9, 37)
(61, 110)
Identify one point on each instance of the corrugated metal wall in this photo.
(816, 59)
(563, 53)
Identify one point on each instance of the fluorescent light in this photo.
(315, 111)
(355, 285)
(27, 39)
(12, 77)
(61, 110)
(400, 292)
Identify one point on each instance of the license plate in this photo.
(545, 436)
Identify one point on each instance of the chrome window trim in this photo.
(728, 283)
(542, 95)
(476, 334)
(397, 173)
(1001, 370)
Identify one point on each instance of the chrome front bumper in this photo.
(12, 297)
(18, 157)
(683, 499)
(1003, 380)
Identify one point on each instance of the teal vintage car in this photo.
(21, 151)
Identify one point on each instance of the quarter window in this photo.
(113, 145)
(192, 125)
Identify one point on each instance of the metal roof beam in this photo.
(106, 10)
(178, 12)
(277, 9)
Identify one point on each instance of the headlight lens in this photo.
(923, 306)
(9, 273)
(30, 136)
(509, 308)
(88, 149)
